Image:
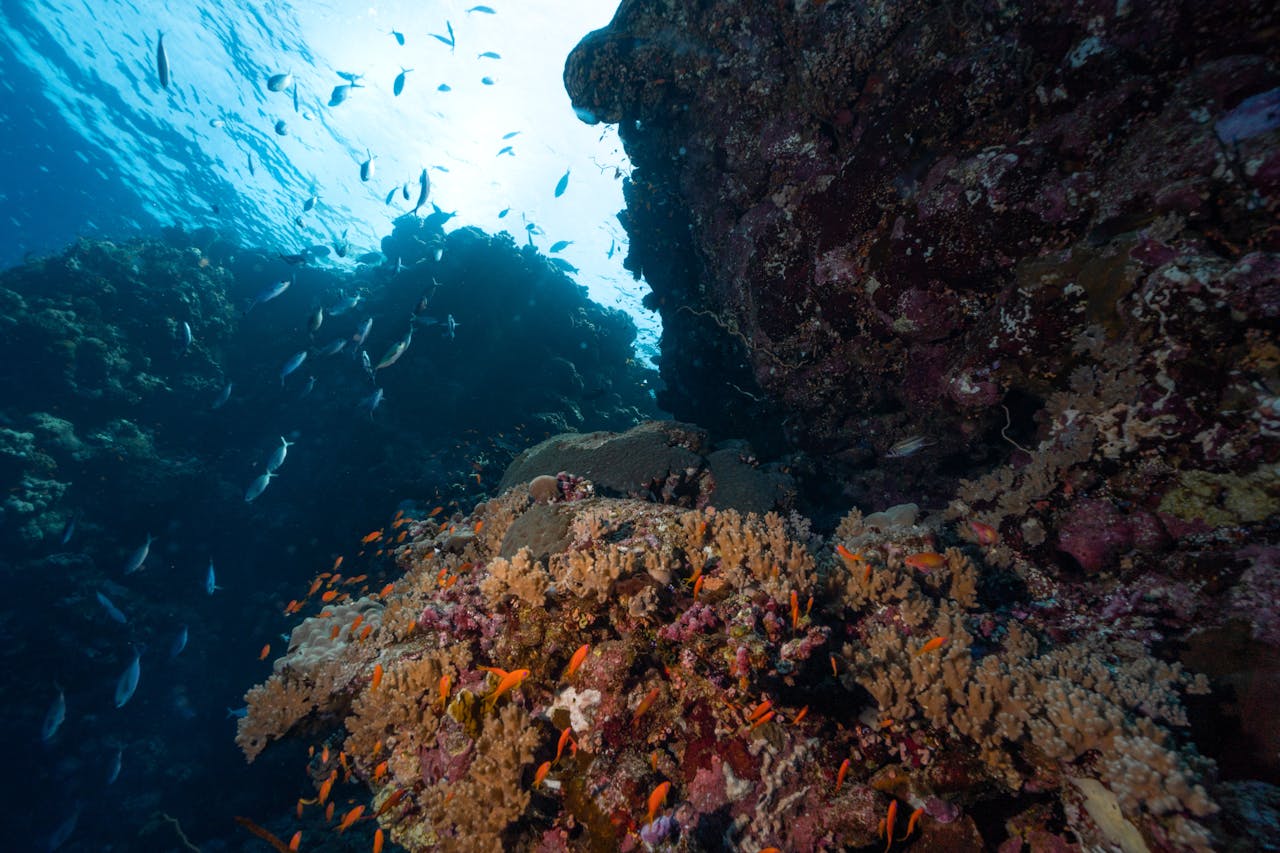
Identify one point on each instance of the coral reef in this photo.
(548, 663)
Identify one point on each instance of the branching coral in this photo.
(702, 649)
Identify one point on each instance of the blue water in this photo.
(94, 147)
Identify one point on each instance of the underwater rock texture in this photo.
(665, 461)
(867, 221)
(786, 692)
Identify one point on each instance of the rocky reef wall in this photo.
(865, 222)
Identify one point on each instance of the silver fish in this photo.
(451, 325)
(70, 529)
(366, 363)
(54, 717)
(392, 355)
(162, 62)
(315, 320)
(112, 610)
(257, 487)
(340, 94)
(279, 82)
(179, 642)
(65, 830)
(210, 581)
(184, 337)
(370, 404)
(560, 245)
(366, 168)
(358, 339)
(333, 347)
(308, 388)
(270, 293)
(424, 190)
(223, 396)
(908, 447)
(277, 458)
(128, 681)
(310, 203)
(138, 557)
(562, 184)
(344, 305)
(294, 362)
(113, 771)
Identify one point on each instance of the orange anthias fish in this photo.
(985, 534)
(262, 833)
(657, 798)
(888, 824)
(435, 512)
(764, 719)
(326, 786)
(925, 561)
(576, 661)
(355, 623)
(849, 557)
(386, 590)
(370, 537)
(377, 676)
(337, 629)
(645, 704)
(931, 646)
(329, 595)
(328, 813)
(510, 681)
(444, 690)
(338, 562)
(795, 610)
(368, 629)
(296, 841)
(350, 818)
(565, 737)
(841, 773)
(380, 771)
(759, 711)
(266, 650)
(479, 526)
(378, 840)
(911, 822)
(391, 801)
(697, 586)
(800, 716)
(541, 773)
(315, 585)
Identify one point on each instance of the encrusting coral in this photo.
(608, 674)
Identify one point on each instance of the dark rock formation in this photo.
(866, 221)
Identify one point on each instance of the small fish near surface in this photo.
(488, 54)
(366, 168)
(128, 681)
(341, 92)
(281, 128)
(560, 245)
(450, 40)
(279, 82)
(162, 62)
(399, 37)
(424, 190)
(483, 9)
(398, 86)
(562, 184)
